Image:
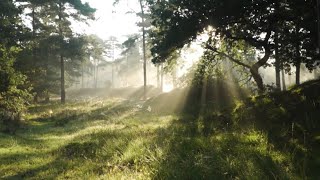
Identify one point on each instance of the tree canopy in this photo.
(178, 22)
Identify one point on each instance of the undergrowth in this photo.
(123, 139)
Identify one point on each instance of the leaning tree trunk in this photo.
(257, 78)
(254, 69)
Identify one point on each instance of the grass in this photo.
(120, 139)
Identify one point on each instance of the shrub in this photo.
(13, 94)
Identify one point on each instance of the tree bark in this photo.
(277, 63)
(298, 66)
(63, 91)
(158, 75)
(144, 66)
(161, 77)
(36, 97)
(257, 78)
(284, 87)
(298, 60)
(144, 53)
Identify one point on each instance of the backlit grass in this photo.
(117, 139)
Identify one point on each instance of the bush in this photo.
(290, 114)
(13, 95)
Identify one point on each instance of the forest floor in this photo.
(121, 139)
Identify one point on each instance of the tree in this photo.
(172, 18)
(96, 50)
(130, 62)
(144, 50)
(254, 22)
(144, 24)
(65, 10)
(12, 30)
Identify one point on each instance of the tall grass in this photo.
(116, 139)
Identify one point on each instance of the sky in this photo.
(111, 20)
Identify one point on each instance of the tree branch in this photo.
(227, 56)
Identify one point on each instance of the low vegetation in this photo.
(126, 139)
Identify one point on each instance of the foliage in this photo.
(12, 29)
(290, 119)
(298, 106)
(13, 94)
(176, 23)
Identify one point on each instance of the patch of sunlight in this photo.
(83, 132)
(167, 87)
(278, 157)
(135, 150)
(255, 136)
(217, 137)
(26, 164)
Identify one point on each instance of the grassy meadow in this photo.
(123, 139)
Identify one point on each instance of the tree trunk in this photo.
(34, 34)
(277, 60)
(254, 69)
(284, 87)
(318, 18)
(82, 76)
(97, 75)
(298, 60)
(144, 52)
(34, 53)
(158, 75)
(298, 65)
(257, 78)
(63, 90)
(203, 99)
(161, 77)
(277, 63)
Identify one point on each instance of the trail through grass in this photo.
(120, 139)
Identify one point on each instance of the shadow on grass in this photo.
(91, 153)
(88, 154)
(205, 144)
(71, 119)
(223, 155)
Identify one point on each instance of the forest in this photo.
(160, 89)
